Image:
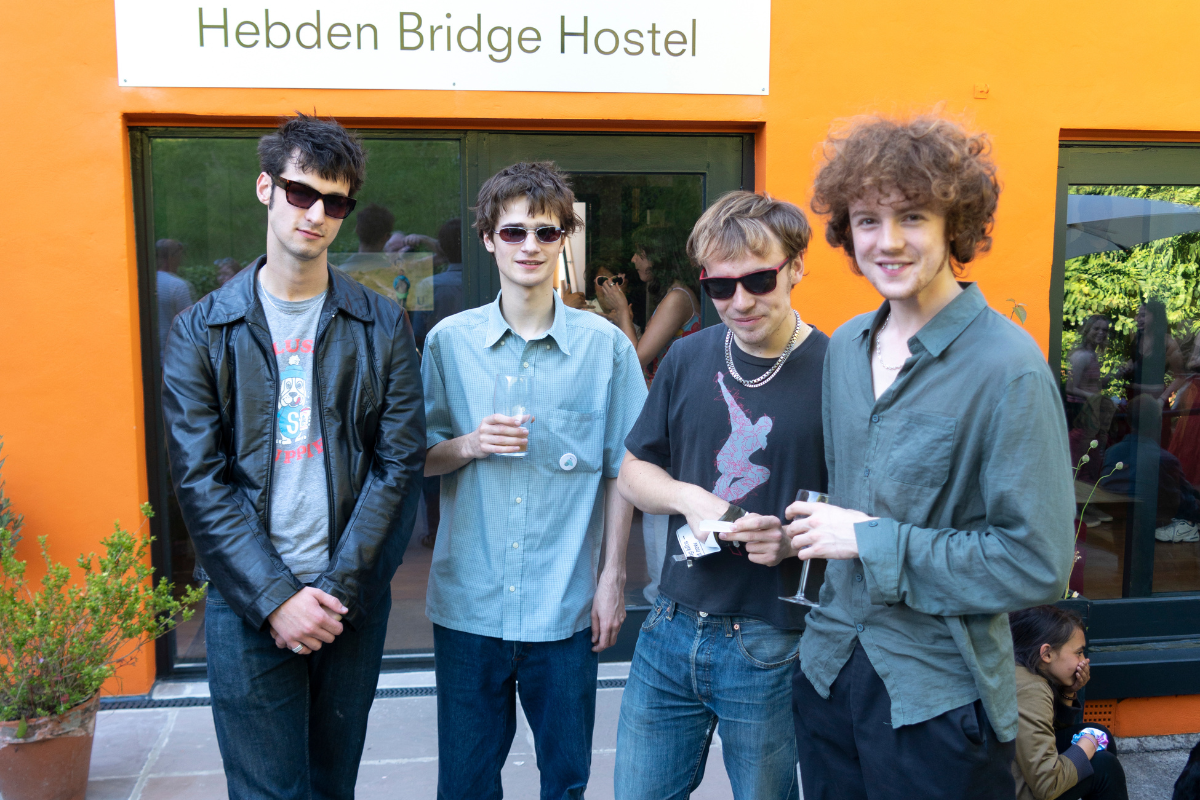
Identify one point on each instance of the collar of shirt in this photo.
(946, 326)
(498, 326)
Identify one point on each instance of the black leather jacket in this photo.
(220, 384)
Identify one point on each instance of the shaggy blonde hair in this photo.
(745, 222)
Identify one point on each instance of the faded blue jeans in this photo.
(690, 672)
(291, 726)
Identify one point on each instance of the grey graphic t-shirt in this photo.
(299, 495)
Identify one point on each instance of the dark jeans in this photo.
(849, 749)
(478, 679)
(1107, 781)
(291, 726)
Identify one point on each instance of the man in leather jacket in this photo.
(296, 433)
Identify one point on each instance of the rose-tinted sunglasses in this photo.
(300, 195)
(547, 234)
(761, 282)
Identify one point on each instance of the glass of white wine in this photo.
(804, 595)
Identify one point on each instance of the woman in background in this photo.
(663, 264)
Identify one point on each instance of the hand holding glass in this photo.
(512, 397)
(803, 596)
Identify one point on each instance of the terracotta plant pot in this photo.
(51, 761)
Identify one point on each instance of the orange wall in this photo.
(70, 400)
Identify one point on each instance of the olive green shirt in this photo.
(965, 461)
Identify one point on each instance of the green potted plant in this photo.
(59, 643)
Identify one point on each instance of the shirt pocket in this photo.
(570, 441)
(922, 449)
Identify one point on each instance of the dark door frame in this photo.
(726, 160)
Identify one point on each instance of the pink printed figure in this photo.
(739, 477)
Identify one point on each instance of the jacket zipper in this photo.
(321, 422)
(274, 402)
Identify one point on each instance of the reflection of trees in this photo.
(1116, 283)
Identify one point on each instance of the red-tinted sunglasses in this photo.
(760, 282)
(300, 195)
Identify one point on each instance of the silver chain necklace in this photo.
(773, 371)
(879, 345)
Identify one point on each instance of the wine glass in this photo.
(801, 597)
(512, 397)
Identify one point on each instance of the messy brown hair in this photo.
(932, 162)
(744, 222)
(541, 182)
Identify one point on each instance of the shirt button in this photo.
(547, 347)
(513, 589)
(867, 472)
(516, 545)
(859, 628)
(872, 524)
(874, 418)
(856, 577)
(518, 500)
(704, 613)
(525, 365)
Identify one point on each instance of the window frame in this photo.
(1142, 644)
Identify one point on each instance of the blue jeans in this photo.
(690, 672)
(291, 726)
(478, 679)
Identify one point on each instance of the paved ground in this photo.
(171, 754)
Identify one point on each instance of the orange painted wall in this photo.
(70, 398)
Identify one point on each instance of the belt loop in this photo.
(670, 609)
(728, 627)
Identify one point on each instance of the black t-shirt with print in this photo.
(753, 447)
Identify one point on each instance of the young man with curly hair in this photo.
(296, 430)
(514, 596)
(949, 475)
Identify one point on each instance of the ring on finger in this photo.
(299, 648)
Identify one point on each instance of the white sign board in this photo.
(654, 46)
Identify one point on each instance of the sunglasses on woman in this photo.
(547, 234)
(760, 282)
(300, 195)
(617, 280)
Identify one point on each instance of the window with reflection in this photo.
(1131, 386)
(404, 240)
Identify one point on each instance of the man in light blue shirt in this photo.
(513, 589)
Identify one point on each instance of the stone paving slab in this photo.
(171, 754)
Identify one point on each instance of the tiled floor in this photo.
(171, 754)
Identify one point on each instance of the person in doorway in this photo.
(299, 495)
(513, 593)
(670, 279)
(1057, 757)
(950, 484)
(718, 645)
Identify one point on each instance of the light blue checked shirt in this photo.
(519, 541)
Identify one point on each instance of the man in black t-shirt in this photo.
(733, 422)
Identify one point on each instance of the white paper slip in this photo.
(693, 547)
(715, 526)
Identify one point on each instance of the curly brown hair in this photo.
(931, 161)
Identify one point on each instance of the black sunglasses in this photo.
(547, 234)
(761, 282)
(300, 195)
(616, 279)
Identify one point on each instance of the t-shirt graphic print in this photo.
(740, 476)
(299, 524)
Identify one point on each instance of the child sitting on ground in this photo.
(1058, 758)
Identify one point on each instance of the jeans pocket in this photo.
(656, 614)
(765, 646)
(213, 598)
(971, 727)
